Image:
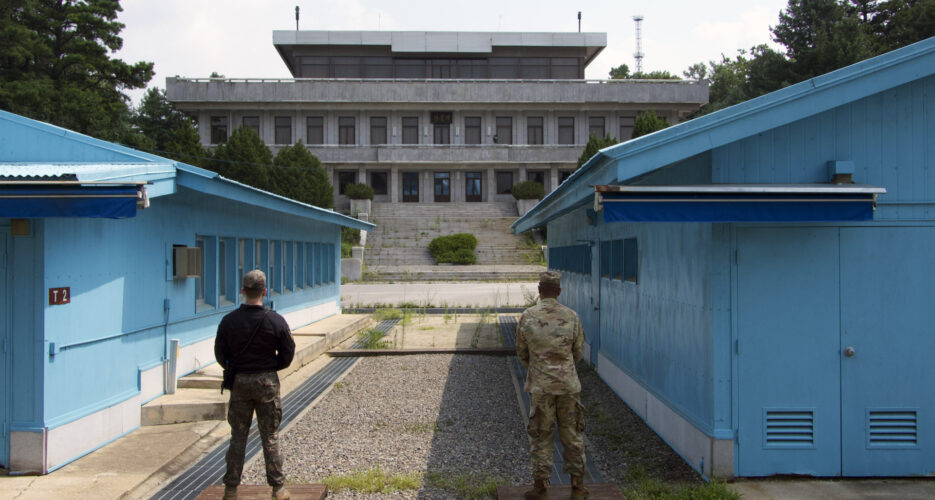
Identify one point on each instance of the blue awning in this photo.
(31, 201)
(737, 203)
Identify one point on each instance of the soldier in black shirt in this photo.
(255, 343)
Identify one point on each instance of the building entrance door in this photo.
(442, 186)
(411, 187)
(5, 348)
(788, 323)
(472, 186)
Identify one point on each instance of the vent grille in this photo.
(892, 428)
(789, 428)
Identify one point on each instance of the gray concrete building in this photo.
(434, 117)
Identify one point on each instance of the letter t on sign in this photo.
(59, 295)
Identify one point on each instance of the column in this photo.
(394, 185)
(553, 178)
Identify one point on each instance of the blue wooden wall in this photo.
(116, 323)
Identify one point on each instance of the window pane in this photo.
(378, 182)
(378, 67)
(534, 67)
(504, 182)
(218, 129)
(472, 130)
(534, 133)
(410, 130)
(345, 178)
(442, 134)
(283, 130)
(252, 122)
(314, 67)
(346, 130)
(566, 130)
(631, 260)
(410, 68)
(346, 67)
(378, 130)
(504, 67)
(315, 130)
(596, 126)
(626, 128)
(504, 130)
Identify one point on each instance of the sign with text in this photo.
(59, 296)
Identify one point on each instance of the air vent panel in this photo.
(892, 428)
(789, 428)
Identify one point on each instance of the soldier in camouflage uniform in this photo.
(549, 342)
(255, 343)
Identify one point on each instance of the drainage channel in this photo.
(508, 330)
(211, 468)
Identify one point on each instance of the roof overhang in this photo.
(737, 203)
(39, 199)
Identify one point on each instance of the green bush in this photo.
(454, 248)
(528, 190)
(345, 250)
(350, 235)
(359, 192)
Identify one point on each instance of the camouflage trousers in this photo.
(260, 392)
(545, 410)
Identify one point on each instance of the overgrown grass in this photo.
(472, 486)
(374, 481)
(642, 486)
(372, 339)
(384, 314)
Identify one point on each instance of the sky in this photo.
(193, 38)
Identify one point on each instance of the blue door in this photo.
(5, 346)
(789, 400)
(887, 344)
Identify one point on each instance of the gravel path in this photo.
(441, 415)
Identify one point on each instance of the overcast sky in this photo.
(234, 37)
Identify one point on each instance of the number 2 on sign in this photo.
(60, 295)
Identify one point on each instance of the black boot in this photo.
(538, 491)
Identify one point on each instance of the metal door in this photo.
(472, 186)
(442, 186)
(5, 347)
(788, 336)
(887, 343)
(411, 187)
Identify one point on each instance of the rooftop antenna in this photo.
(579, 21)
(297, 18)
(638, 55)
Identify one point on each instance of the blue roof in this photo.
(34, 149)
(621, 162)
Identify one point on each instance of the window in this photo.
(218, 129)
(626, 128)
(504, 67)
(314, 67)
(504, 182)
(200, 281)
(288, 266)
(410, 130)
(566, 130)
(377, 130)
(206, 286)
(252, 122)
(566, 68)
(345, 178)
(534, 68)
(504, 130)
(573, 258)
(311, 272)
(261, 256)
(596, 126)
(346, 130)
(283, 130)
(346, 67)
(631, 260)
(410, 68)
(472, 134)
(274, 276)
(244, 255)
(620, 259)
(534, 130)
(537, 176)
(564, 175)
(442, 133)
(378, 181)
(378, 67)
(315, 130)
(227, 277)
(299, 265)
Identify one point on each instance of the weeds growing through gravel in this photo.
(642, 486)
(472, 486)
(372, 339)
(374, 481)
(531, 298)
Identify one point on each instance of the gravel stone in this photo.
(439, 413)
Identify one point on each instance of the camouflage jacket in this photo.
(549, 340)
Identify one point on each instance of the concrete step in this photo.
(198, 396)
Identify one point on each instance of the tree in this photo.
(897, 23)
(621, 72)
(56, 65)
(184, 145)
(157, 118)
(298, 174)
(244, 158)
(594, 145)
(648, 122)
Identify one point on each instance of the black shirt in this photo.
(271, 349)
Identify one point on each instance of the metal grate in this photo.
(789, 427)
(892, 428)
(210, 469)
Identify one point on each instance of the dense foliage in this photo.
(298, 174)
(594, 145)
(528, 190)
(622, 72)
(454, 249)
(648, 122)
(359, 192)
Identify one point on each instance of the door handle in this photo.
(849, 352)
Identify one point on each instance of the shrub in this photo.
(647, 123)
(359, 192)
(454, 248)
(345, 250)
(528, 190)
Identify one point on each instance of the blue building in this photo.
(106, 254)
(757, 283)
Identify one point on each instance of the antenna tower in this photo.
(638, 55)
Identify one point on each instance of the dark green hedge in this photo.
(454, 248)
(359, 192)
(528, 190)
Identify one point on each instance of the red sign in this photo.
(59, 295)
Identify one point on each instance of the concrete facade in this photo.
(411, 113)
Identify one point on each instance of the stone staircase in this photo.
(404, 230)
